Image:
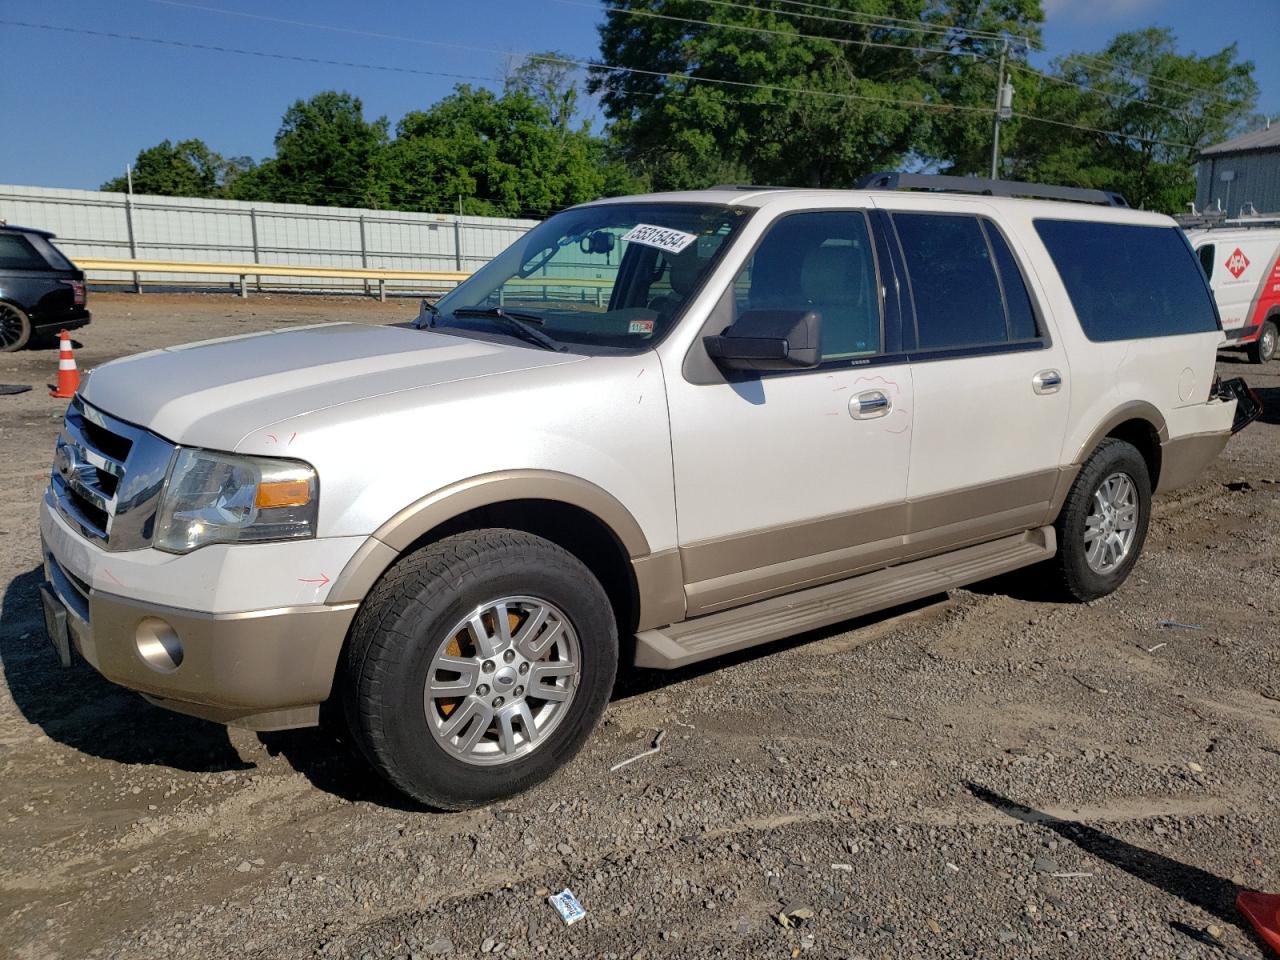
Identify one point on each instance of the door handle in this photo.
(1046, 381)
(869, 405)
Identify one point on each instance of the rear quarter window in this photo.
(1129, 281)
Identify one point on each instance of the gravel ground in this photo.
(983, 775)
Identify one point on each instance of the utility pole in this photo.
(1003, 109)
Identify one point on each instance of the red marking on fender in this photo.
(322, 579)
(889, 383)
(292, 437)
(640, 374)
(111, 576)
(272, 438)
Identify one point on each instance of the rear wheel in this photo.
(15, 328)
(1263, 350)
(478, 666)
(1103, 523)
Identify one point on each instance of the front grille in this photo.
(107, 477)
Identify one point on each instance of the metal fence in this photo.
(90, 223)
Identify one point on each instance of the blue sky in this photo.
(77, 108)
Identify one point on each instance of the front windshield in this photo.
(609, 277)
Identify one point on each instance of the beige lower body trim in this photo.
(1183, 459)
(660, 588)
(748, 567)
(268, 669)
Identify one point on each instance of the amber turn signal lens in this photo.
(283, 493)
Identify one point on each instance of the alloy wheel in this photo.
(502, 680)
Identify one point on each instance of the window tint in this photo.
(1022, 317)
(50, 253)
(822, 262)
(1206, 260)
(953, 283)
(1128, 281)
(17, 254)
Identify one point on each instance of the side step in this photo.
(719, 633)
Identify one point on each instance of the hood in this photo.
(216, 392)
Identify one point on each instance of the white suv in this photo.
(655, 429)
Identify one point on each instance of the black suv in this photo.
(40, 289)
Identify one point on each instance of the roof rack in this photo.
(890, 180)
(748, 186)
(1215, 218)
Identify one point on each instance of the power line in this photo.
(854, 18)
(743, 28)
(921, 104)
(192, 45)
(1124, 98)
(590, 64)
(1109, 133)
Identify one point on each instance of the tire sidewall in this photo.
(1115, 456)
(1263, 355)
(414, 751)
(26, 334)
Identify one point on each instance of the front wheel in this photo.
(1263, 350)
(1103, 522)
(478, 666)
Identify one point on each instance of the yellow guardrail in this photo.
(379, 274)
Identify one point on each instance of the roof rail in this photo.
(1218, 220)
(890, 180)
(748, 186)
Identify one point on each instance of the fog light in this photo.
(158, 645)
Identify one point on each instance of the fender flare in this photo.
(422, 516)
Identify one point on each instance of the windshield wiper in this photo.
(519, 322)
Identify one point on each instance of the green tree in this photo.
(806, 98)
(550, 79)
(326, 153)
(186, 169)
(1152, 111)
(503, 155)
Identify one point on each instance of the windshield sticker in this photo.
(672, 241)
(640, 326)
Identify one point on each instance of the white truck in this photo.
(654, 430)
(1241, 258)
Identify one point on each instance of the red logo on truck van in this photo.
(1237, 263)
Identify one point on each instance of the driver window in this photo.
(819, 261)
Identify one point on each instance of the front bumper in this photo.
(267, 669)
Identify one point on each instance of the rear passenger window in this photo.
(1022, 317)
(1128, 281)
(17, 254)
(953, 281)
(1206, 260)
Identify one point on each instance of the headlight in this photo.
(222, 498)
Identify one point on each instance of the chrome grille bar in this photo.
(108, 476)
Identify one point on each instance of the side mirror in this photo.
(768, 340)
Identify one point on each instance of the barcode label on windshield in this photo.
(672, 241)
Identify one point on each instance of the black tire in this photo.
(1263, 350)
(1076, 578)
(15, 328)
(403, 624)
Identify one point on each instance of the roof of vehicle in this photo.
(760, 197)
(17, 229)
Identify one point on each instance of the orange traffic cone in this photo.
(68, 375)
(1263, 911)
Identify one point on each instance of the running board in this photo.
(719, 633)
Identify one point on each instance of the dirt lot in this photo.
(985, 775)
